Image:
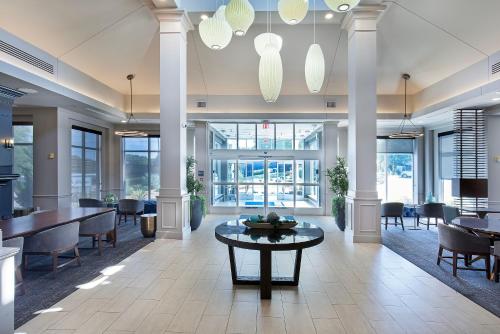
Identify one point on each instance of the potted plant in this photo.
(339, 185)
(195, 187)
(110, 200)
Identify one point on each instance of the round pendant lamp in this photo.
(240, 16)
(270, 74)
(341, 6)
(215, 32)
(127, 132)
(262, 40)
(293, 11)
(315, 68)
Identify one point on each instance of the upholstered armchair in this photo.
(54, 242)
(91, 203)
(18, 259)
(450, 213)
(459, 241)
(97, 227)
(430, 210)
(129, 207)
(392, 210)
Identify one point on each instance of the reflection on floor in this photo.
(44, 290)
(185, 287)
(421, 247)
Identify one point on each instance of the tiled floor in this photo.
(185, 287)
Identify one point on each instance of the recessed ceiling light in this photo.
(329, 16)
(124, 121)
(204, 17)
(496, 99)
(344, 7)
(28, 90)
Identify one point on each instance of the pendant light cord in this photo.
(406, 81)
(314, 21)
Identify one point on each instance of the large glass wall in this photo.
(85, 163)
(446, 167)
(141, 167)
(395, 169)
(288, 179)
(23, 165)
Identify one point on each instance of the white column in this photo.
(342, 141)
(362, 204)
(173, 200)
(330, 160)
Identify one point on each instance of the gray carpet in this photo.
(421, 247)
(44, 290)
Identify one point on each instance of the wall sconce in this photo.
(8, 143)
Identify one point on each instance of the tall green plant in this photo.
(339, 183)
(193, 185)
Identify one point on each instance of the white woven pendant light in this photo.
(215, 32)
(341, 5)
(315, 68)
(270, 74)
(240, 16)
(293, 11)
(262, 40)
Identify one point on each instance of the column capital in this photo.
(363, 18)
(173, 21)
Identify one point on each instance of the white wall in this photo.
(493, 132)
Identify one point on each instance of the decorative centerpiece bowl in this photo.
(272, 222)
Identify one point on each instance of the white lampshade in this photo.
(315, 68)
(293, 11)
(262, 40)
(240, 15)
(215, 32)
(270, 74)
(341, 5)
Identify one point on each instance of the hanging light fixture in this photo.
(130, 133)
(215, 32)
(315, 63)
(407, 130)
(268, 46)
(293, 11)
(240, 16)
(342, 5)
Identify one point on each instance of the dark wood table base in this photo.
(266, 280)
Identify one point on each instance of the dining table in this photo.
(481, 211)
(487, 226)
(40, 221)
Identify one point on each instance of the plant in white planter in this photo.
(339, 185)
(194, 188)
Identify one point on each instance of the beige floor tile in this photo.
(98, 323)
(202, 290)
(75, 318)
(212, 324)
(157, 289)
(122, 301)
(270, 325)
(298, 319)
(131, 319)
(353, 319)
(270, 308)
(386, 327)
(220, 303)
(154, 323)
(320, 305)
(328, 326)
(41, 322)
(59, 331)
(172, 301)
(188, 317)
(243, 318)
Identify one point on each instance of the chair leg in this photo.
(93, 241)
(135, 219)
(455, 264)
(126, 217)
(418, 220)
(497, 269)
(386, 222)
(114, 237)
(20, 281)
(440, 254)
(487, 262)
(119, 219)
(55, 264)
(402, 222)
(77, 255)
(428, 222)
(25, 262)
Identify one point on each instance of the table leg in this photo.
(296, 271)
(234, 274)
(265, 274)
(415, 227)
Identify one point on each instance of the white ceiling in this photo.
(108, 39)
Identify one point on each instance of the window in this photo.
(141, 167)
(395, 169)
(265, 136)
(284, 136)
(23, 165)
(224, 136)
(246, 137)
(307, 136)
(85, 163)
(446, 165)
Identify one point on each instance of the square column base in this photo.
(363, 215)
(173, 216)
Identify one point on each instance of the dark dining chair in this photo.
(392, 210)
(91, 203)
(131, 207)
(99, 226)
(18, 260)
(496, 258)
(430, 210)
(460, 242)
(54, 242)
(450, 213)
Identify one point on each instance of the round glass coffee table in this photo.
(235, 234)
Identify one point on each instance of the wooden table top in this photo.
(34, 223)
(487, 226)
